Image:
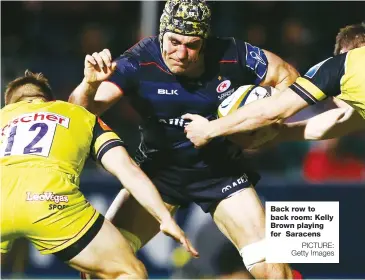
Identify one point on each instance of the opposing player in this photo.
(185, 70)
(43, 149)
(335, 122)
(342, 76)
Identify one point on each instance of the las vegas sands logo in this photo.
(223, 86)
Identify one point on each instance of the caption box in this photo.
(302, 232)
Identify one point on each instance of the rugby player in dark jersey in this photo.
(185, 70)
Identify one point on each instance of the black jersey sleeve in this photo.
(103, 140)
(322, 80)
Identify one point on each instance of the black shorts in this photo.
(201, 184)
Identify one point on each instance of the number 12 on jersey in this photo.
(30, 136)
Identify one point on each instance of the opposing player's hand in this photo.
(170, 228)
(196, 130)
(98, 66)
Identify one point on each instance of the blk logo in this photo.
(167, 92)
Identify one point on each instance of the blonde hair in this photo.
(30, 85)
(350, 37)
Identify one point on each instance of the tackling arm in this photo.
(118, 162)
(258, 114)
(330, 124)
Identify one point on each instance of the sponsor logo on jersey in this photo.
(225, 94)
(37, 117)
(227, 101)
(175, 122)
(57, 206)
(241, 180)
(46, 196)
(167, 92)
(223, 86)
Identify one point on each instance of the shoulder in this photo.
(146, 48)
(233, 49)
(329, 68)
(353, 82)
(355, 60)
(351, 61)
(7, 108)
(72, 109)
(359, 52)
(222, 48)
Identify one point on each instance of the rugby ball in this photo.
(243, 96)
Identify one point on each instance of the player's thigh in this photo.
(108, 255)
(127, 214)
(241, 217)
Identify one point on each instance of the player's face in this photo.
(181, 53)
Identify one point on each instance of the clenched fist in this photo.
(98, 67)
(196, 130)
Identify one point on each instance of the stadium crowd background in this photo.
(53, 38)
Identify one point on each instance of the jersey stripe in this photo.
(107, 146)
(104, 138)
(228, 61)
(311, 89)
(302, 93)
(155, 64)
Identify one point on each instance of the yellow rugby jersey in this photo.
(52, 134)
(342, 76)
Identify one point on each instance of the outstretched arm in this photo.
(258, 114)
(118, 162)
(250, 117)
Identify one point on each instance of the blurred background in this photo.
(54, 37)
